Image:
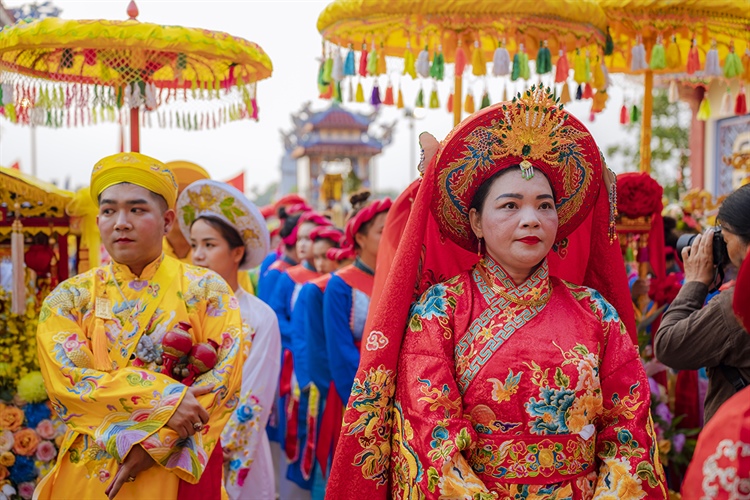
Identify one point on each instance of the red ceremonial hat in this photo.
(365, 215)
(334, 234)
(289, 200)
(533, 132)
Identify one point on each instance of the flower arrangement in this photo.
(18, 355)
(638, 195)
(663, 291)
(30, 437)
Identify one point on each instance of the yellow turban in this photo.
(186, 173)
(134, 168)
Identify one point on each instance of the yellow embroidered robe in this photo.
(108, 413)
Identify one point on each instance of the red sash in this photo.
(291, 439)
(357, 279)
(280, 265)
(209, 485)
(330, 428)
(308, 452)
(287, 368)
(300, 274)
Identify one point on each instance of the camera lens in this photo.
(686, 240)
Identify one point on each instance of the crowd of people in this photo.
(474, 338)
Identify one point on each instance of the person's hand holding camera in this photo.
(698, 260)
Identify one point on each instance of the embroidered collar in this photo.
(363, 267)
(536, 288)
(123, 273)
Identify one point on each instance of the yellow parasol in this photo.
(396, 27)
(59, 72)
(699, 38)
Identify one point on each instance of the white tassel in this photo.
(607, 78)
(150, 96)
(673, 95)
(337, 72)
(501, 62)
(712, 62)
(7, 93)
(726, 104)
(638, 58)
(128, 95)
(423, 64)
(18, 303)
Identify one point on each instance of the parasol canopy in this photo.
(59, 72)
(474, 29)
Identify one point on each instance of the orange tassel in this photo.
(693, 61)
(388, 100)
(100, 347)
(450, 103)
(460, 60)
(400, 99)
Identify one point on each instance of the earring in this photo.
(479, 248)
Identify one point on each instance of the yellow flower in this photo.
(7, 459)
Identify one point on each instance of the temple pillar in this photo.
(697, 139)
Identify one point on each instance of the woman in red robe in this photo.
(508, 382)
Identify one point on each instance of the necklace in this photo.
(537, 301)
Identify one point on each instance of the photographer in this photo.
(692, 336)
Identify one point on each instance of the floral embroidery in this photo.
(720, 471)
(502, 391)
(436, 303)
(376, 340)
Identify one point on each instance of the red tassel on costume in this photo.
(363, 61)
(624, 115)
(588, 92)
(287, 368)
(291, 439)
(460, 60)
(740, 105)
(693, 60)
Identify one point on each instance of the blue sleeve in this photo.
(317, 355)
(267, 261)
(281, 303)
(299, 340)
(343, 355)
(266, 284)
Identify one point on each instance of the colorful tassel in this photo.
(349, 69)
(485, 100)
(588, 92)
(638, 57)
(565, 94)
(674, 58)
(520, 65)
(624, 116)
(543, 59)
(469, 103)
(351, 91)
(635, 114)
(423, 63)
(337, 71)
(363, 61)
(704, 111)
(375, 96)
(746, 65)
(437, 70)
(598, 80)
(360, 95)
(336, 87)
(732, 64)
(400, 99)
(579, 93)
(388, 100)
(609, 44)
(712, 61)
(460, 60)
(562, 68)
(579, 68)
(726, 104)
(673, 94)
(599, 101)
(420, 99)
(478, 64)
(382, 65)
(658, 56)
(740, 105)
(372, 61)
(449, 106)
(328, 70)
(434, 101)
(501, 61)
(409, 62)
(693, 60)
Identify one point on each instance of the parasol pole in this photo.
(648, 105)
(135, 130)
(457, 98)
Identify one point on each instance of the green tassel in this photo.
(635, 114)
(372, 62)
(525, 71)
(658, 57)
(485, 100)
(328, 70)
(609, 44)
(437, 70)
(733, 66)
(629, 257)
(420, 99)
(434, 102)
(543, 60)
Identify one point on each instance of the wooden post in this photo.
(135, 130)
(648, 107)
(457, 99)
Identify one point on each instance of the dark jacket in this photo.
(692, 336)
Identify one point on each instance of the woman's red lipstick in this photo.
(530, 240)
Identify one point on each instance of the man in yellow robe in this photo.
(175, 244)
(108, 338)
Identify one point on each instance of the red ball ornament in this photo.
(202, 358)
(176, 344)
(39, 258)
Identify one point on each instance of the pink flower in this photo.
(46, 429)
(6, 441)
(46, 451)
(26, 490)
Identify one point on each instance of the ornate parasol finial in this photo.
(132, 10)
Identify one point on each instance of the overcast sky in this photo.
(286, 31)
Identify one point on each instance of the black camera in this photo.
(720, 254)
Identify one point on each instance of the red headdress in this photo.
(334, 234)
(307, 216)
(340, 254)
(288, 200)
(366, 214)
(497, 137)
